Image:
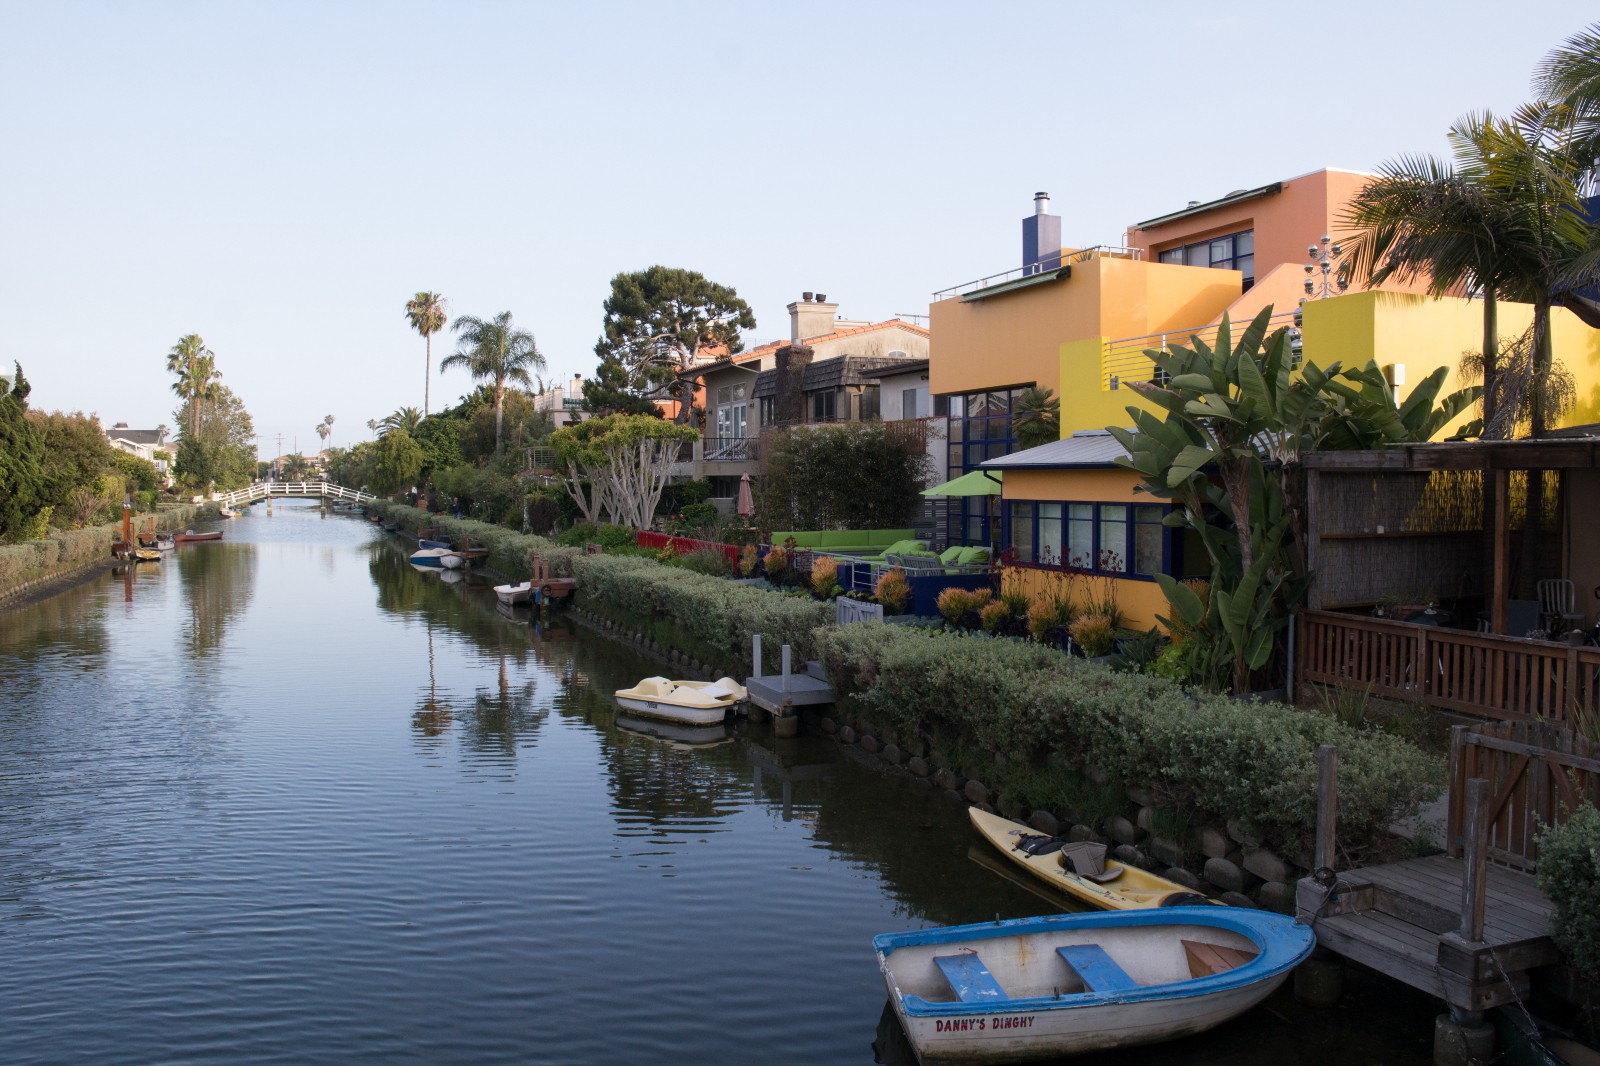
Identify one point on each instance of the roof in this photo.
(1086, 447)
(832, 372)
(1236, 197)
(1027, 281)
(771, 347)
(136, 436)
(899, 366)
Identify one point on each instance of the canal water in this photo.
(284, 799)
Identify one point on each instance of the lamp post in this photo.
(1325, 258)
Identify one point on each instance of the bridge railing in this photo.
(264, 489)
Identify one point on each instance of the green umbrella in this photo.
(972, 483)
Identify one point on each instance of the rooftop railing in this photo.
(1082, 255)
(1123, 360)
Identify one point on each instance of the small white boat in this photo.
(452, 560)
(515, 594)
(1067, 984)
(429, 557)
(693, 702)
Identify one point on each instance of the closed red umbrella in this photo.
(747, 504)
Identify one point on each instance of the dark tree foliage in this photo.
(76, 453)
(22, 475)
(657, 321)
(851, 476)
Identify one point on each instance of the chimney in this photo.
(1041, 237)
(810, 318)
(789, 398)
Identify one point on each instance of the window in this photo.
(769, 410)
(823, 405)
(908, 403)
(733, 413)
(1126, 540)
(1235, 251)
(978, 428)
(869, 404)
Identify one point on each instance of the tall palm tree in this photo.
(426, 312)
(198, 378)
(496, 351)
(1570, 76)
(323, 429)
(407, 418)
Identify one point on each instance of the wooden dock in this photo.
(1404, 919)
(1469, 925)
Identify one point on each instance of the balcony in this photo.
(732, 449)
(1123, 360)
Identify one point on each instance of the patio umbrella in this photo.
(747, 504)
(972, 483)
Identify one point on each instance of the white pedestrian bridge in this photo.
(303, 489)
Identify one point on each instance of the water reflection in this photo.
(218, 582)
(504, 717)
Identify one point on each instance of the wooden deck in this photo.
(1402, 919)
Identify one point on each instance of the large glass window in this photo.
(978, 429)
(1235, 251)
(869, 404)
(824, 405)
(908, 403)
(1128, 540)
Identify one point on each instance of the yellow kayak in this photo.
(1109, 885)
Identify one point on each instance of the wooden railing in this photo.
(1538, 775)
(1477, 673)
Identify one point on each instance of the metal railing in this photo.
(1082, 255)
(1123, 360)
(732, 449)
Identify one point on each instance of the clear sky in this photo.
(280, 177)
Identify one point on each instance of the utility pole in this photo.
(277, 460)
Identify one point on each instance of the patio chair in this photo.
(1556, 604)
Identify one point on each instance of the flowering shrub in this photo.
(954, 603)
(777, 565)
(747, 560)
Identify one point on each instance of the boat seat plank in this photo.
(1206, 959)
(1100, 973)
(970, 978)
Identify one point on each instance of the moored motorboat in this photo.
(694, 702)
(164, 541)
(423, 542)
(428, 557)
(452, 560)
(147, 555)
(189, 536)
(1081, 870)
(1066, 984)
(515, 594)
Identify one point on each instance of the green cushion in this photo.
(906, 546)
(972, 556)
(882, 538)
(949, 555)
(834, 538)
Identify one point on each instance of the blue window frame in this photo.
(979, 427)
(1118, 539)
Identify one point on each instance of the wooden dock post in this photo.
(755, 655)
(1476, 875)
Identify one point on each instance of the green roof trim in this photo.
(1238, 197)
(1018, 283)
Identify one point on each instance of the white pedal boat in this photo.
(692, 702)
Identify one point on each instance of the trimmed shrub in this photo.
(953, 603)
(894, 591)
(824, 576)
(777, 563)
(1569, 874)
(1214, 755)
(1095, 634)
(994, 616)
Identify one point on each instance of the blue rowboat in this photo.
(1066, 984)
(429, 557)
(434, 544)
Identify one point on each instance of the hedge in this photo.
(1569, 874)
(64, 551)
(1031, 708)
(716, 614)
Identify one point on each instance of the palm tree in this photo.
(1570, 76)
(426, 312)
(1036, 417)
(198, 379)
(407, 418)
(496, 351)
(323, 429)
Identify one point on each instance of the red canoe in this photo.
(191, 536)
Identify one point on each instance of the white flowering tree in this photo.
(614, 468)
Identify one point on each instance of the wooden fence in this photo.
(1476, 673)
(1538, 775)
